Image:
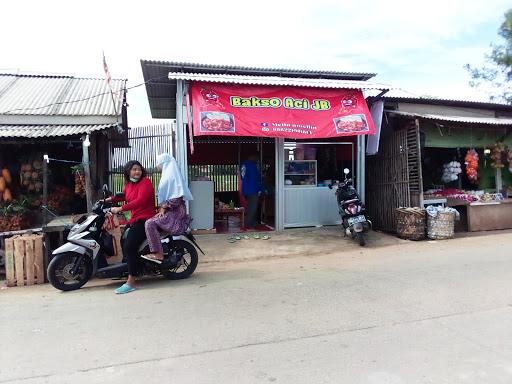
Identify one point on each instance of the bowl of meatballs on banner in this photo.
(351, 123)
(217, 122)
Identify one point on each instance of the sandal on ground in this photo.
(125, 288)
(151, 257)
(266, 237)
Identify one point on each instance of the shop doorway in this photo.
(309, 168)
(214, 177)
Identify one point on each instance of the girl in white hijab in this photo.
(172, 215)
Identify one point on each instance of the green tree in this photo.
(497, 72)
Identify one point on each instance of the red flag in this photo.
(108, 77)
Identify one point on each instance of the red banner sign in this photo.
(299, 113)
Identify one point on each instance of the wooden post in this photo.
(93, 160)
(46, 254)
(19, 258)
(173, 141)
(420, 165)
(29, 259)
(87, 172)
(499, 181)
(9, 262)
(45, 189)
(39, 262)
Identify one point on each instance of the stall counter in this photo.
(486, 216)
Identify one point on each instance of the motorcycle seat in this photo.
(350, 201)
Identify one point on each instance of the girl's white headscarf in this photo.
(171, 184)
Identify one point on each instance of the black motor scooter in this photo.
(353, 213)
(88, 245)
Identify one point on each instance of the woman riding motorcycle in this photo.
(139, 198)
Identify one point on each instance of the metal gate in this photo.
(145, 144)
(393, 175)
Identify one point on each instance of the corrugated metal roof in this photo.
(457, 119)
(241, 70)
(161, 90)
(37, 95)
(38, 131)
(276, 81)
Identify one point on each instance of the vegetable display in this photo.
(451, 171)
(79, 174)
(6, 175)
(471, 161)
(497, 153)
(32, 177)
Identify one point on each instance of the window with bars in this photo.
(224, 176)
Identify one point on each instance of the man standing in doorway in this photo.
(251, 189)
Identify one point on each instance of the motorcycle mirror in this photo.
(106, 191)
(346, 171)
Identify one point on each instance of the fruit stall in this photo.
(453, 154)
(21, 186)
(474, 176)
(56, 136)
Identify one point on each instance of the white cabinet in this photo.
(310, 206)
(201, 208)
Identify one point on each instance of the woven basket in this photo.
(442, 226)
(410, 223)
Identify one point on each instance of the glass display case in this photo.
(300, 173)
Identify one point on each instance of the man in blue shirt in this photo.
(251, 189)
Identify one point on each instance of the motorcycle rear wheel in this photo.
(59, 271)
(361, 239)
(187, 262)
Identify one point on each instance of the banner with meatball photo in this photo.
(287, 112)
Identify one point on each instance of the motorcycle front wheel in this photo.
(187, 258)
(59, 271)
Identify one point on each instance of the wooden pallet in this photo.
(24, 260)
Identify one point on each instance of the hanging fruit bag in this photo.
(471, 161)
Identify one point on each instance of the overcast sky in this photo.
(420, 48)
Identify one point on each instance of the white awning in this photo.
(277, 81)
(51, 130)
(457, 119)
